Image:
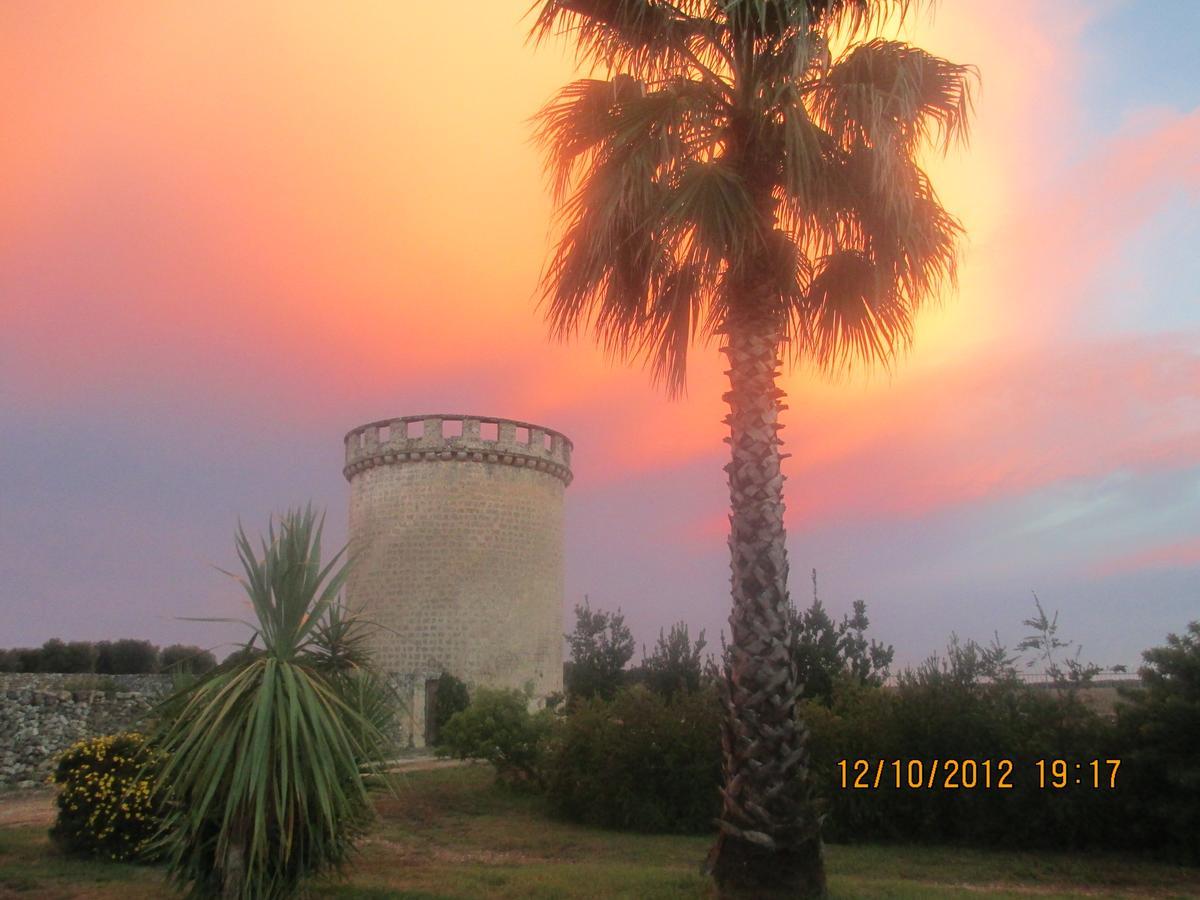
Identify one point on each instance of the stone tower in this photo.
(456, 526)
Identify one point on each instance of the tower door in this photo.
(431, 729)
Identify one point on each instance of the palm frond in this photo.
(774, 21)
(675, 317)
(853, 313)
(710, 216)
(887, 93)
(852, 18)
(899, 222)
(641, 37)
(592, 120)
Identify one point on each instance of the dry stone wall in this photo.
(43, 714)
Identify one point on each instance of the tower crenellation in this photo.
(446, 436)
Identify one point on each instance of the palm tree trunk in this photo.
(769, 843)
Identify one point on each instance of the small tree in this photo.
(1046, 644)
(824, 651)
(601, 645)
(28, 659)
(52, 656)
(72, 658)
(676, 665)
(126, 657)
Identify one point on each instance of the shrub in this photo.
(639, 762)
(498, 727)
(266, 754)
(1159, 724)
(452, 697)
(186, 659)
(107, 806)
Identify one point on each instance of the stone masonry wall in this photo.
(42, 714)
(459, 544)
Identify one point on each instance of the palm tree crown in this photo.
(735, 166)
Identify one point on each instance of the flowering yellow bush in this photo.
(106, 805)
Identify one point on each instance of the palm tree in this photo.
(748, 169)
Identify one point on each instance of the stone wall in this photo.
(41, 715)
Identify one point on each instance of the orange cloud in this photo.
(311, 205)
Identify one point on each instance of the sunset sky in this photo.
(230, 232)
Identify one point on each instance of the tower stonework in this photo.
(456, 537)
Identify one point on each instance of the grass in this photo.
(451, 834)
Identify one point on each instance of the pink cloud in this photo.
(1019, 423)
(1178, 554)
(1006, 427)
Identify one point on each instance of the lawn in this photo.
(451, 834)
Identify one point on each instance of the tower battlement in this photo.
(448, 436)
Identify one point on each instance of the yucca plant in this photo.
(266, 754)
(341, 651)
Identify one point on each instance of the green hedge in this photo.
(938, 721)
(639, 762)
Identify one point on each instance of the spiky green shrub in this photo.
(107, 804)
(267, 753)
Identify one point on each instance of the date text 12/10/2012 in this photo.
(974, 774)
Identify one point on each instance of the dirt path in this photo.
(19, 809)
(425, 763)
